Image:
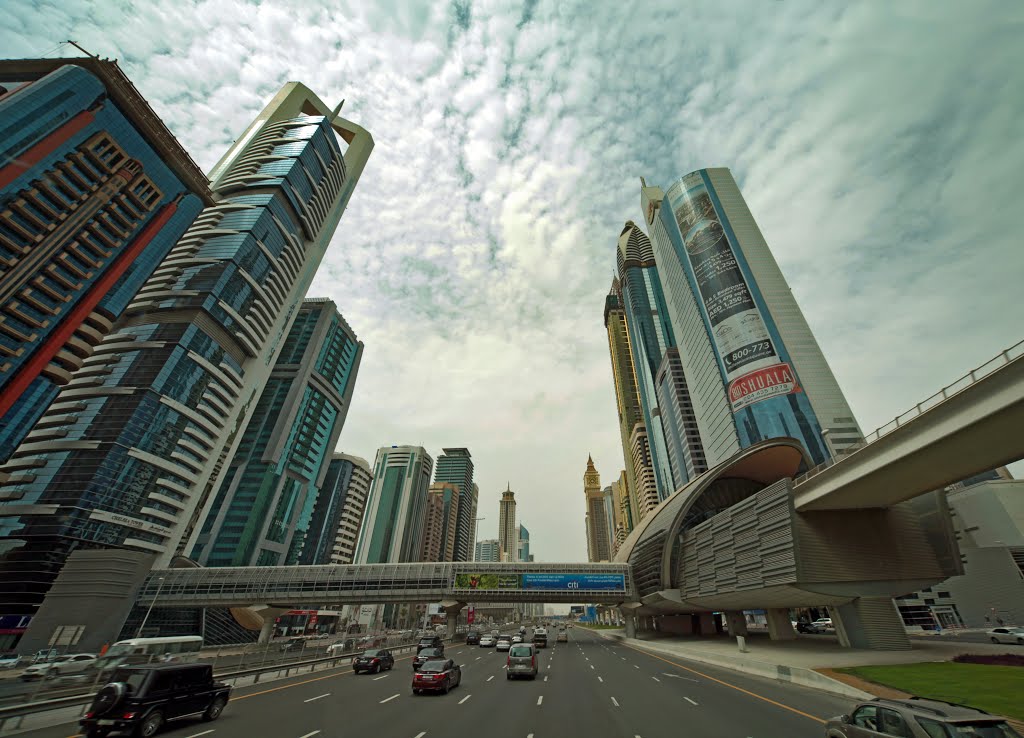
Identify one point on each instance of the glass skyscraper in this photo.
(748, 358)
(264, 508)
(338, 514)
(130, 452)
(455, 466)
(94, 192)
(393, 526)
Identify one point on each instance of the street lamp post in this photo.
(144, 619)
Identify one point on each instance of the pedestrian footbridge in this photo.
(477, 582)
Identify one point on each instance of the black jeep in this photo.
(140, 699)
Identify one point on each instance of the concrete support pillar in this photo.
(266, 631)
(870, 622)
(736, 623)
(630, 623)
(452, 610)
(780, 627)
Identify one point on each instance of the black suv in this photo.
(429, 642)
(473, 638)
(425, 655)
(140, 699)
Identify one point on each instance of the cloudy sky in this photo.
(880, 150)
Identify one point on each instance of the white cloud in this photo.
(879, 151)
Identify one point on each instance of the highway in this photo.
(589, 687)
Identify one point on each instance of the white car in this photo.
(9, 660)
(517, 638)
(1008, 634)
(486, 641)
(824, 624)
(72, 663)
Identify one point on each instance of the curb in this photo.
(779, 672)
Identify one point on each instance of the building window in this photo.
(947, 595)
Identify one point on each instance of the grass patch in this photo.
(997, 689)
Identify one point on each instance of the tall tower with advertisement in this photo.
(753, 367)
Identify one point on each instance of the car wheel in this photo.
(447, 686)
(415, 691)
(1020, 641)
(994, 639)
(150, 725)
(508, 677)
(214, 710)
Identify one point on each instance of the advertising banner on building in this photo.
(487, 581)
(603, 582)
(753, 367)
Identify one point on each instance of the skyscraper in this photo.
(631, 417)
(94, 191)
(488, 550)
(508, 533)
(682, 434)
(450, 495)
(753, 366)
(130, 451)
(338, 514)
(433, 525)
(650, 335)
(395, 508)
(598, 535)
(620, 498)
(264, 506)
(455, 466)
(524, 544)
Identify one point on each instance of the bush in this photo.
(991, 659)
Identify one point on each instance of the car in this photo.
(320, 636)
(140, 699)
(378, 641)
(1009, 634)
(438, 675)
(916, 718)
(72, 663)
(503, 643)
(473, 638)
(824, 625)
(487, 641)
(293, 644)
(563, 637)
(802, 626)
(571, 625)
(430, 642)
(427, 654)
(44, 655)
(521, 661)
(373, 661)
(9, 660)
(540, 640)
(517, 638)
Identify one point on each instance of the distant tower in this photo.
(508, 532)
(599, 538)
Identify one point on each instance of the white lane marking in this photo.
(477, 658)
(383, 676)
(529, 735)
(504, 666)
(490, 677)
(388, 699)
(540, 700)
(656, 679)
(635, 666)
(311, 699)
(676, 676)
(196, 735)
(545, 677)
(420, 735)
(310, 735)
(465, 698)
(591, 666)
(689, 700)
(615, 702)
(600, 680)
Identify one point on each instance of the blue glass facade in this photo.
(455, 466)
(130, 452)
(330, 504)
(270, 498)
(755, 367)
(650, 335)
(88, 209)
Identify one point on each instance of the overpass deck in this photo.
(389, 583)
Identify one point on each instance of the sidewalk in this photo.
(808, 660)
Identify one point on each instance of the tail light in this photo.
(375, 661)
(128, 715)
(533, 661)
(89, 714)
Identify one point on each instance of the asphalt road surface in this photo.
(589, 687)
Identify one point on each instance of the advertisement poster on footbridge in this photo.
(481, 581)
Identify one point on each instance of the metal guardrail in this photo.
(14, 712)
(1009, 355)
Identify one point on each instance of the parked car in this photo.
(373, 661)
(140, 699)
(427, 654)
(9, 660)
(293, 644)
(320, 636)
(503, 643)
(824, 625)
(44, 655)
(72, 663)
(916, 718)
(487, 641)
(438, 675)
(433, 641)
(473, 638)
(346, 646)
(802, 626)
(1008, 634)
(377, 641)
(522, 661)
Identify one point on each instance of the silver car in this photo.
(1009, 634)
(916, 718)
(522, 661)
